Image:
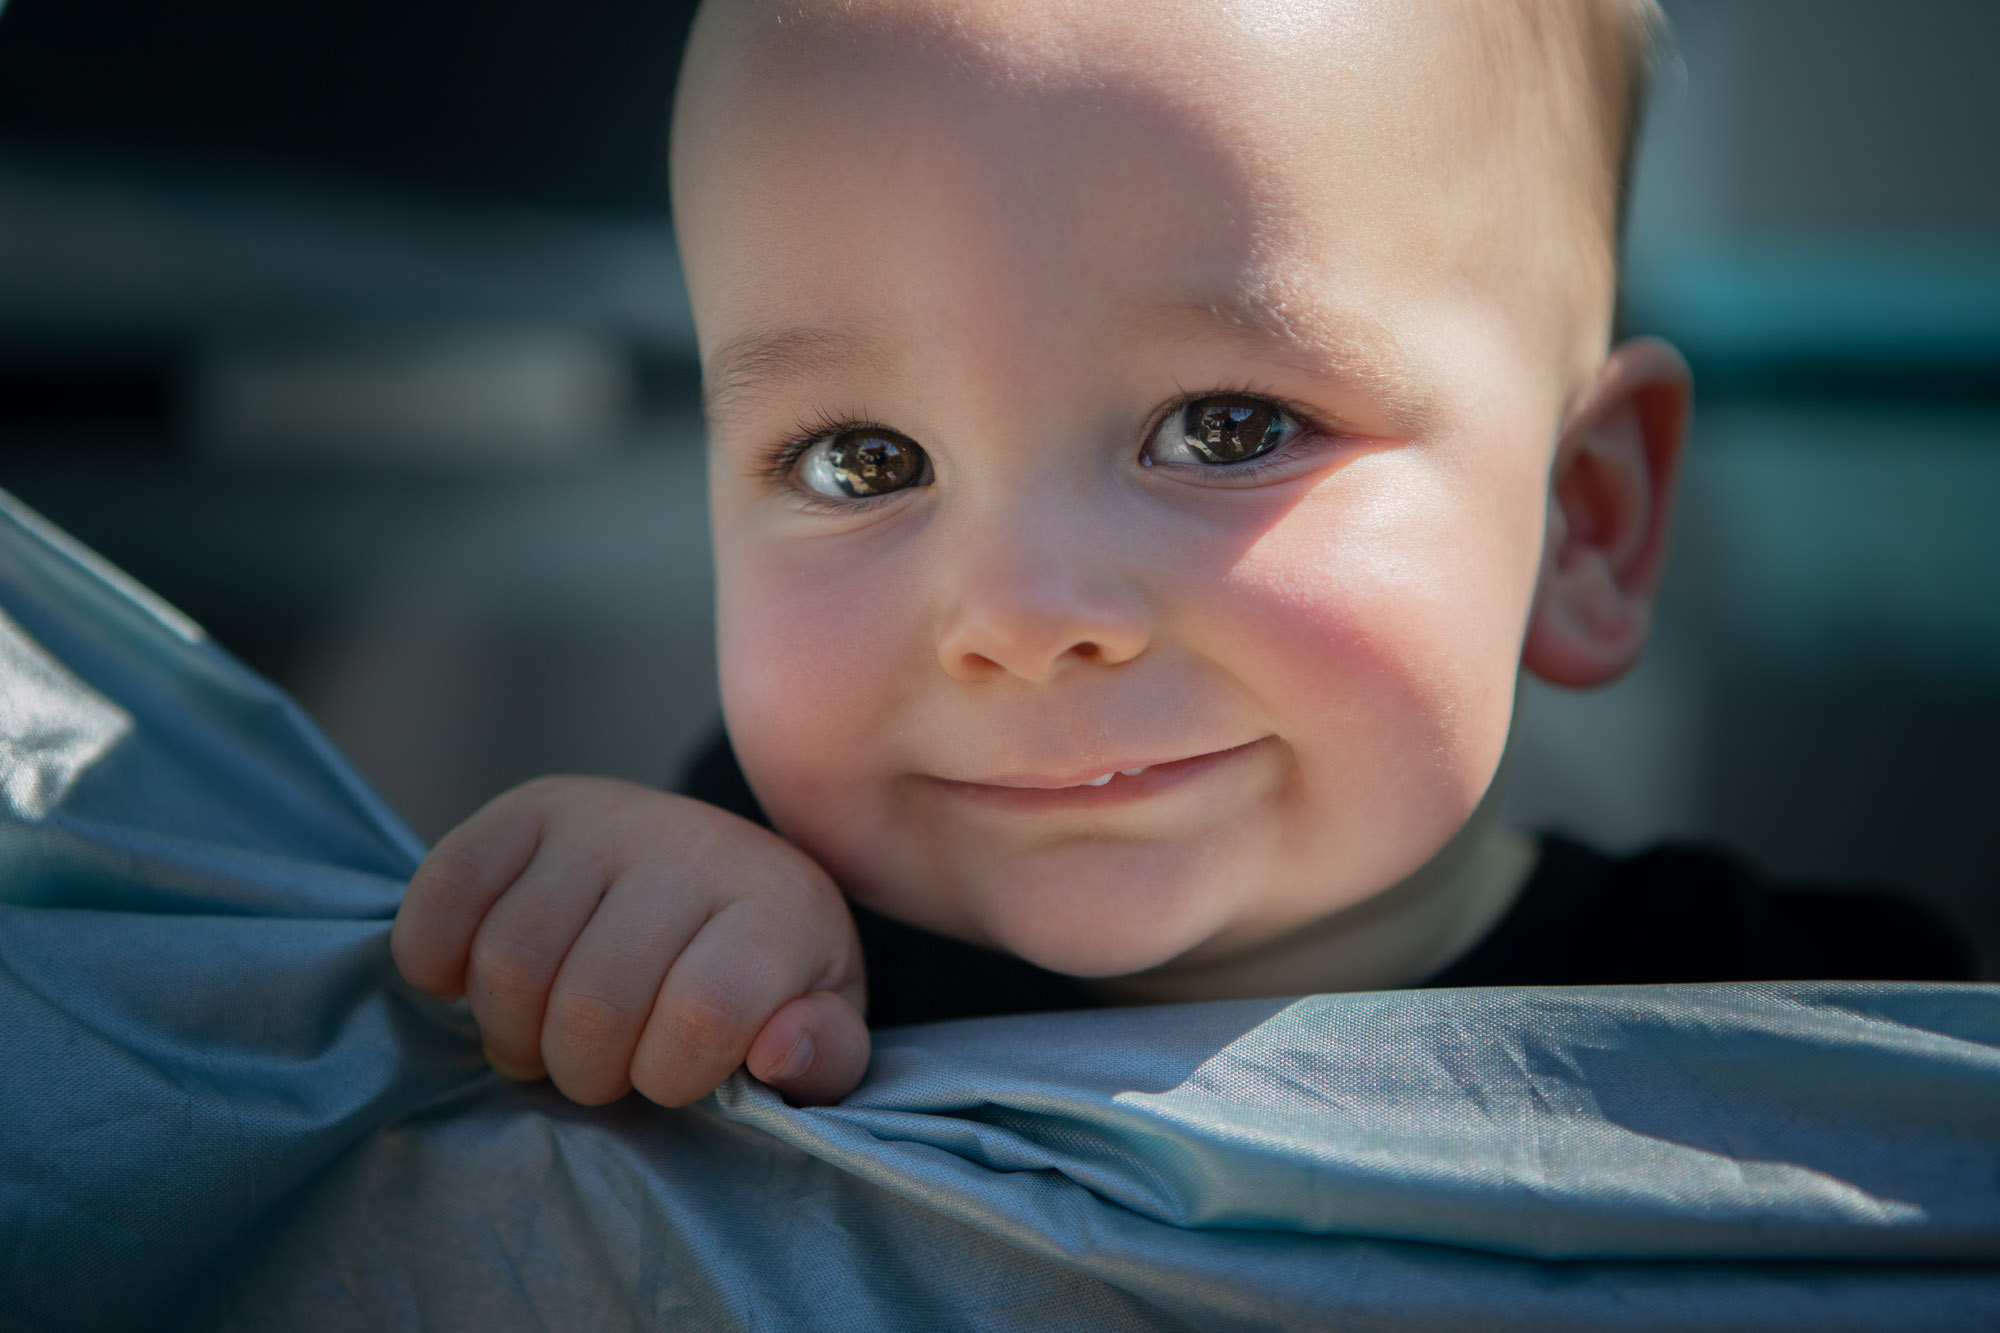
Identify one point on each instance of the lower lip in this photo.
(1157, 780)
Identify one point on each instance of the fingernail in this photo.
(797, 1060)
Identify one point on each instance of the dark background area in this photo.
(356, 330)
(522, 101)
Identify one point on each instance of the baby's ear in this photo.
(1610, 497)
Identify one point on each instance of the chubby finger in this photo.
(814, 1050)
(750, 959)
(608, 984)
(454, 888)
(519, 950)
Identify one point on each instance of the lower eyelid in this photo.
(812, 502)
(808, 503)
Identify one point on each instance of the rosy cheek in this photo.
(1371, 608)
(808, 661)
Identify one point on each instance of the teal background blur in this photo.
(355, 329)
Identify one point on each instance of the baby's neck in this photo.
(1402, 935)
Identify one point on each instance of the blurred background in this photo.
(355, 328)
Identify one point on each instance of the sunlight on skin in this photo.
(1020, 235)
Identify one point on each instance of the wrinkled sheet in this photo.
(222, 1109)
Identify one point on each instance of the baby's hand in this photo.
(610, 937)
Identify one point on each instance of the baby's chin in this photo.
(1099, 910)
(1094, 962)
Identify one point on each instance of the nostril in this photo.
(1029, 656)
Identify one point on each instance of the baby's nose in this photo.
(1033, 613)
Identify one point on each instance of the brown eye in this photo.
(859, 463)
(1218, 430)
(1231, 429)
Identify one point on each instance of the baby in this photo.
(1147, 441)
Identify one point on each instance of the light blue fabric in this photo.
(223, 1111)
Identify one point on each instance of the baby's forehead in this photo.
(1280, 115)
(1463, 53)
(1269, 107)
(1463, 87)
(1223, 54)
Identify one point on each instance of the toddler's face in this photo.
(1129, 401)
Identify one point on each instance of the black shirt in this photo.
(1672, 914)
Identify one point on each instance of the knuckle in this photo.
(503, 965)
(448, 881)
(584, 1019)
(704, 1023)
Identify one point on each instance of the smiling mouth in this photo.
(1119, 784)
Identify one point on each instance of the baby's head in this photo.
(1213, 395)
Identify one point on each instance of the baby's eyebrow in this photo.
(1353, 348)
(742, 366)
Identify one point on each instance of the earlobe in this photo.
(1610, 501)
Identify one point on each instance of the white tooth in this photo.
(1134, 772)
(1099, 782)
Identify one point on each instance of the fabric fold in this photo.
(223, 1110)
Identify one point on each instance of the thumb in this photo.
(814, 1050)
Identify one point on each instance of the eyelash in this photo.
(775, 462)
